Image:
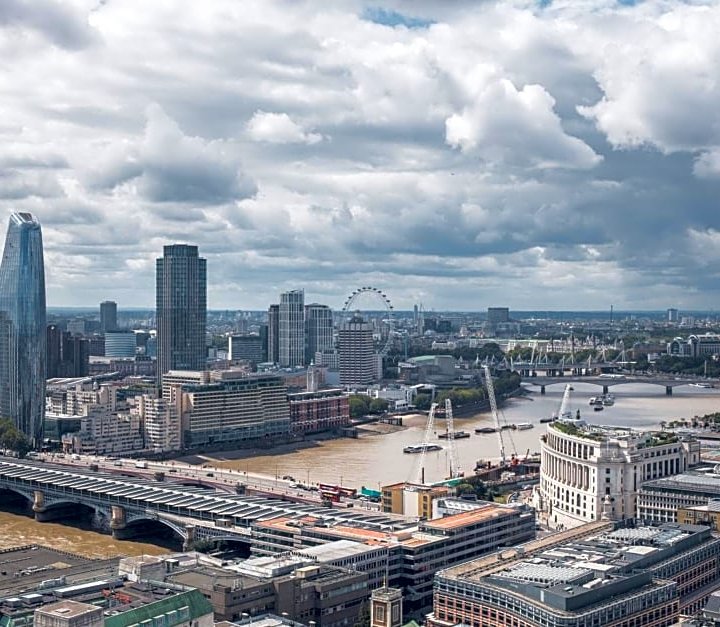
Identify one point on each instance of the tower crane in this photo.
(426, 438)
(493, 406)
(450, 427)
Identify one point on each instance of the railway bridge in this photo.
(128, 506)
(606, 382)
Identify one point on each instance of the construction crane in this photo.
(493, 406)
(453, 452)
(429, 428)
(564, 411)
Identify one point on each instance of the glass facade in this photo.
(23, 327)
(181, 301)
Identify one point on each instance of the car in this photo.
(288, 478)
(173, 470)
(209, 474)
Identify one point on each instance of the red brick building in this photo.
(318, 411)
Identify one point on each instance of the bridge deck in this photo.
(183, 501)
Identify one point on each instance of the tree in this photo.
(11, 438)
(359, 405)
(378, 406)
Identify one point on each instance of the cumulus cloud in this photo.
(457, 155)
(60, 23)
(279, 128)
(514, 126)
(169, 166)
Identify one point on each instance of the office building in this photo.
(228, 406)
(67, 355)
(292, 586)
(23, 329)
(415, 551)
(672, 315)
(412, 499)
(181, 309)
(603, 574)
(273, 334)
(250, 348)
(291, 329)
(660, 500)
(357, 358)
(318, 330)
(120, 344)
(108, 316)
(498, 315)
(589, 472)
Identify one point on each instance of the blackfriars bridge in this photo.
(130, 505)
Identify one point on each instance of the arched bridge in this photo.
(606, 382)
(127, 505)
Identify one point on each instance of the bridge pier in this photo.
(668, 390)
(118, 522)
(189, 542)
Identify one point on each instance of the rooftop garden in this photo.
(569, 428)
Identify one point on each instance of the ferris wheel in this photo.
(373, 299)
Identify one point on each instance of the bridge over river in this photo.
(608, 381)
(130, 506)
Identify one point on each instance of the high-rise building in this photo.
(318, 330)
(108, 316)
(498, 315)
(247, 347)
(273, 334)
(120, 344)
(291, 325)
(672, 315)
(67, 355)
(22, 326)
(181, 309)
(356, 352)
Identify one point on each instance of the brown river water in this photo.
(379, 459)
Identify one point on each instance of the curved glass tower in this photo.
(23, 327)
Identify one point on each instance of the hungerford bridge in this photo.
(603, 373)
(131, 505)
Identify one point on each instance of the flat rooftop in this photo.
(23, 562)
(455, 521)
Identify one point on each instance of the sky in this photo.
(537, 155)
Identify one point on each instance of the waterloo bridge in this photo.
(129, 507)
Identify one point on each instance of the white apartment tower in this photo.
(318, 330)
(356, 353)
(291, 329)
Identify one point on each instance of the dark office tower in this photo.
(264, 338)
(292, 329)
(108, 316)
(54, 351)
(318, 330)
(22, 327)
(181, 309)
(273, 334)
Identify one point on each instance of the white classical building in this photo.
(589, 473)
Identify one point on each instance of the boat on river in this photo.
(459, 435)
(523, 426)
(419, 448)
(485, 430)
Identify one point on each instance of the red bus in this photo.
(342, 491)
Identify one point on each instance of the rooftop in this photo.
(490, 510)
(69, 609)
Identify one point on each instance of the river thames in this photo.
(379, 459)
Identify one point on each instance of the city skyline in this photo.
(456, 154)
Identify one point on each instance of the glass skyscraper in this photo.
(23, 327)
(181, 309)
